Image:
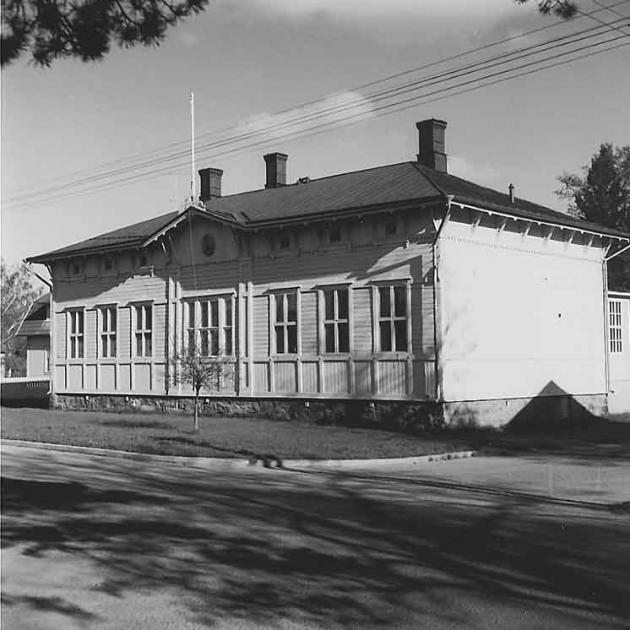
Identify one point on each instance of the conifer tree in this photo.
(602, 195)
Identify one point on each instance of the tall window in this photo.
(108, 331)
(615, 325)
(336, 321)
(143, 329)
(392, 318)
(76, 334)
(285, 323)
(209, 326)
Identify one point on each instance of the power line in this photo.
(131, 178)
(604, 8)
(385, 110)
(430, 80)
(122, 167)
(438, 79)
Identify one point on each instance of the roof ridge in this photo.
(427, 176)
(316, 179)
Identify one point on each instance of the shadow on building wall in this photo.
(552, 408)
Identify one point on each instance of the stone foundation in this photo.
(409, 416)
(526, 414)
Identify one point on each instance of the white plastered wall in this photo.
(520, 315)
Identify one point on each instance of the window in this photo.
(391, 227)
(285, 323)
(615, 325)
(76, 268)
(334, 235)
(209, 326)
(392, 318)
(142, 260)
(76, 334)
(285, 241)
(143, 330)
(108, 331)
(336, 321)
(108, 264)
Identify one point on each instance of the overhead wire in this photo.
(373, 97)
(565, 40)
(604, 8)
(422, 99)
(123, 166)
(412, 102)
(433, 80)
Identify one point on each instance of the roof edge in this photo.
(591, 228)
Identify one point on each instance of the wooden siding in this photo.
(362, 302)
(309, 323)
(252, 272)
(260, 326)
(60, 336)
(37, 353)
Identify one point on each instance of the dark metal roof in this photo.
(129, 236)
(383, 185)
(368, 189)
(37, 320)
(33, 327)
(468, 193)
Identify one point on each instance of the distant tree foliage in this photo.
(48, 30)
(602, 195)
(18, 295)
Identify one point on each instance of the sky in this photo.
(247, 61)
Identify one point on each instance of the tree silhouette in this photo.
(18, 295)
(192, 367)
(602, 195)
(48, 30)
(57, 29)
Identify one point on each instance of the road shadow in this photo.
(49, 604)
(267, 459)
(277, 547)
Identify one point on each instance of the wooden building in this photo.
(35, 327)
(399, 285)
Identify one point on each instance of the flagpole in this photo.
(193, 191)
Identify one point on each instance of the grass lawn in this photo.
(217, 437)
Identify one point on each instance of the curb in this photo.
(183, 460)
(263, 461)
(376, 463)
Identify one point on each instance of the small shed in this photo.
(36, 328)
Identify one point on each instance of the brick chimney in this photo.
(210, 183)
(276, 167)
(431, 144)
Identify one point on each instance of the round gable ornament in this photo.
(208, 245)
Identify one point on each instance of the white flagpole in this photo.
(193, 191)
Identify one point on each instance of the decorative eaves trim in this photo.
(540, 221)
(206, 214)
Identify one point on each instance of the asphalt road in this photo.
(93, 542)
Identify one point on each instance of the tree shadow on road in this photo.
(328, 551)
